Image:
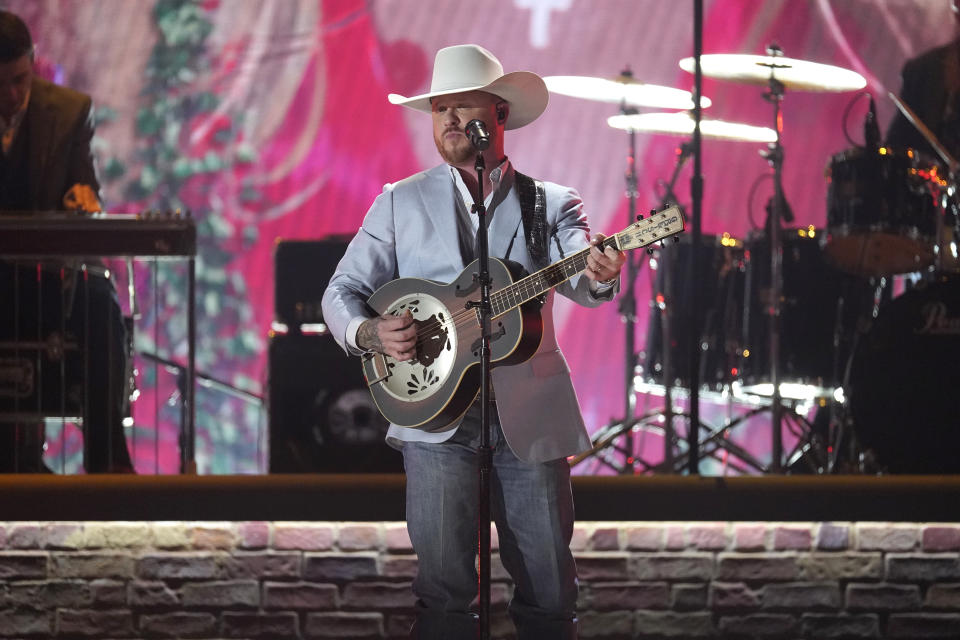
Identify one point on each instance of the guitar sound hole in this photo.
(413, 306)
(416, 385)
(433, 335)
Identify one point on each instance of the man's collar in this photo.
(495, 176)
(17, 117)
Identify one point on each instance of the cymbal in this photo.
(681, 124)
(799, 75)
(624, 89)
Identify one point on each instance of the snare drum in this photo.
(882, 211)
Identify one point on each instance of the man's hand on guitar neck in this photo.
(395, 336)
(603, 266)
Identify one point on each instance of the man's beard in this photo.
(455, 156)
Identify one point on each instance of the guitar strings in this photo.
(464, 316)
(458, 318)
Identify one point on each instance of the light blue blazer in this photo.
(411, 231)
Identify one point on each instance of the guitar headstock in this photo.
(658, 226)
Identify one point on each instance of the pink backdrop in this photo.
(305, 84)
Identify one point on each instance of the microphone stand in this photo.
(696, 191)
(484, 452)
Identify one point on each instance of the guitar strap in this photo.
(533, 211)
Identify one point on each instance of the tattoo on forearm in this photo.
(368, 337)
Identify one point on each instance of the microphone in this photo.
(476, 131)
(871, 130)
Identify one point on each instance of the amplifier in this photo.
(322, 417)
(302, 270)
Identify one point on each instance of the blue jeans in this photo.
(533, 508)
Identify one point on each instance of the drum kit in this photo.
(802, 317)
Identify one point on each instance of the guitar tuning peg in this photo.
(676, 239)
(639, 216)
(650, 251)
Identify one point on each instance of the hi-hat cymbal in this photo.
(681, 124)
(798, 75)
(622, 89)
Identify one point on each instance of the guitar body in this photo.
(436, 389)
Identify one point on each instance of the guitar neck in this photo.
(537, 284)
(639, 234)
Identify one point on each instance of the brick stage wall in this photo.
(352, 580)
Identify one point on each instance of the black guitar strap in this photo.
(533, 211)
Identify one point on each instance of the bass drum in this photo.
(903, 392)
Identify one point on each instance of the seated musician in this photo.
(47, 165)
(931, 88)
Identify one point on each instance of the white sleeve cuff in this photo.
(602, 287)
(352, 327)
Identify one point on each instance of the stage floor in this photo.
(380, 497)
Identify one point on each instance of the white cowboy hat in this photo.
(469, 67)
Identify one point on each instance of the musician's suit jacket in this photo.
(411, 231)
(928, 81)
(59, 123)
(59, 127)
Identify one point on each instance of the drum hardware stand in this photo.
(605, 444)
(665, 308)
(715, 441)
(840, 436)
(607, 435)
(628, 302)
(712, 442)
(774, 156)
(627, 307)
(628, 311)
(778, 211)
(837, 425)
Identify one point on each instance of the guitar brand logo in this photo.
(663, 228)
(936, 320)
